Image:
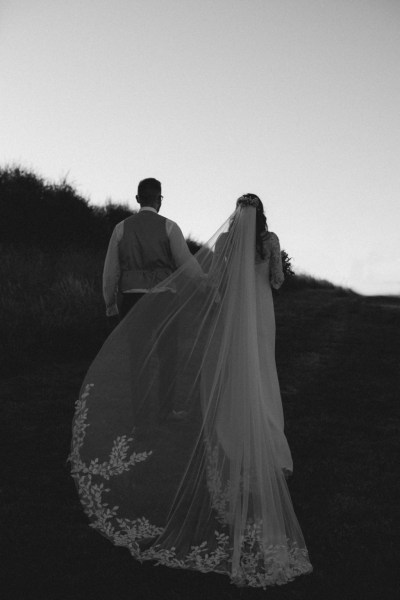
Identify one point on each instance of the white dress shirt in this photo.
(112, 270)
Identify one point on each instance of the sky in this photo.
(296, 101)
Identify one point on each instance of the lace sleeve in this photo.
(276, 271)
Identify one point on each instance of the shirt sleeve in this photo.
(179, 248)
(276, 271)
(181, 253)
(111, 272)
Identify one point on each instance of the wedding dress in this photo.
(178, 448)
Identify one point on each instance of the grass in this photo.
(51, 304)
(303, 281)
(338, 358)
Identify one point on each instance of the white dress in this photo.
(268, 273)
(207, 492)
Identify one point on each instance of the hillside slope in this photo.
(338, 363)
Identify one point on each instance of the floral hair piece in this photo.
(248, 200)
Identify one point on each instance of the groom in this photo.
(145, 249)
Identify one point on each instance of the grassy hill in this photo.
(51, 301)
(337, 357)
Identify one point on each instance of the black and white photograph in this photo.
(200, 299)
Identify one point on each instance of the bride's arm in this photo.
(276, 271)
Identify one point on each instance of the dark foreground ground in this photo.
(338, 360)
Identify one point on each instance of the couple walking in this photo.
(196, 338)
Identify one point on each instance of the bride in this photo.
(204, 486)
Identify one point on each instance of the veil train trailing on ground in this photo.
(178, 447)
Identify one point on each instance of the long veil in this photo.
(178, 449)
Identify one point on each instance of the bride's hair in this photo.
(261, 220)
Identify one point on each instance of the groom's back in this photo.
(144, 251)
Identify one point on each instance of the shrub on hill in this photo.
(36, 213)
(51, 217)
(287, 265)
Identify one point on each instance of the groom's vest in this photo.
(144, 252)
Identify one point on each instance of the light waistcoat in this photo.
(144, 252)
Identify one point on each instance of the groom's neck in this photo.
(150, 205)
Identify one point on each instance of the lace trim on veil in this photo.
(259, 566)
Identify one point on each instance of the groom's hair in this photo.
(148, 189)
